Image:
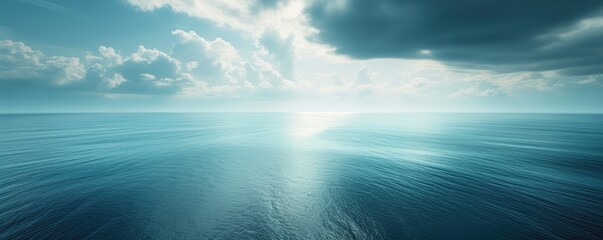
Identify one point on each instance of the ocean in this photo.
(301, 176)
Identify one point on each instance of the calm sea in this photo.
(301, 176)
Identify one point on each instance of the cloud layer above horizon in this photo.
(385, 54)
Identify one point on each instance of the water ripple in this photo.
(301, 176)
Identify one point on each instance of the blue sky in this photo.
(301, 55)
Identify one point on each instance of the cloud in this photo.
(505, 36)
(147, 71)
(539, 81)
(594, 80)
(236, 14)
(280, 49)
(269, 74)
(19, 61)
(364, 76)
(111, 55)
(65, 69)
(278, 26)
(193, 66)
(165, 68)
(147, 77)
(483, 89)
(251, 17)
(115, 80)
(216, 62)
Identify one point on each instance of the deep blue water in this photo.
(301, 176)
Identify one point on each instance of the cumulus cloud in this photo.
(19, 61)
(146, 71)
(147, 77)
(65, 69)
(193, 66)
(216, 62)
(252, 18)
(505, 36)
(277, 26)
(110, 54)
(115, 80)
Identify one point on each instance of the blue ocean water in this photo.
(301, 176)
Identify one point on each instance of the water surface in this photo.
(301, 176)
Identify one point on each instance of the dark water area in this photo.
(301, 176)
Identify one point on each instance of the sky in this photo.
(301, 55)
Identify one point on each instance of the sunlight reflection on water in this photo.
(304, 125)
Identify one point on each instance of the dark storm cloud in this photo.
(504, 35)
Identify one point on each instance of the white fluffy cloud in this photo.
(215, 62)
(146, 71)
(110, 55)
(193, 66)
(252, 16)
(65, 69)
(115, 80)
(215, 65)
(19, 61)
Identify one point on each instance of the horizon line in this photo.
(301, 112)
